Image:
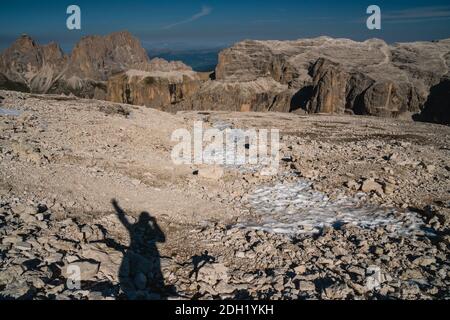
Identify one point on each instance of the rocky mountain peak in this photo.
(98, 57)
(318, 75)
(33, 65)
(24, 39)
(159, 64)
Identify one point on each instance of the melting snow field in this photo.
(295, 208)
(226, 152)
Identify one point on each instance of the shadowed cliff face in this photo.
(7, 84)
(263, 94)
(437, 107)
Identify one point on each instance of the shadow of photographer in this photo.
(140, 272)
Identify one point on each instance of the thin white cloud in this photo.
(261, 21)
(206, 11)
(420, 13)
(412, 15)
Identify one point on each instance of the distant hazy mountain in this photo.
(201, 60)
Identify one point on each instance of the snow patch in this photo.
(295, 208)
(10, 112)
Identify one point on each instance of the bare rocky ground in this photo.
(64, 160)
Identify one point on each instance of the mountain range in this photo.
(320, 75)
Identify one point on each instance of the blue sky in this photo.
(210, 23)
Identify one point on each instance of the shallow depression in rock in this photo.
(295, 208)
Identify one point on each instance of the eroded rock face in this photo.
(340, 75)
(97, 57)
(338, 91)
(46, 69)
(32, 65)
(158, 64)
(85, 88)
(321, 75)
(27, 66)
(263, 94)
(155, 89)
(330, 88)
(384, 99)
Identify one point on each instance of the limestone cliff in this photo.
(340, 75)
(155, 89)
(262, 94)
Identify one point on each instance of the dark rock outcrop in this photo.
(437, 107)
(338, 91)
(6, 84)
(329, 88)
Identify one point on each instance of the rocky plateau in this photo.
(90, 184)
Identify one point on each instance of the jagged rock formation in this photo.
(31, 65)
(98, 58)
(341, 75)
(155, 89)
(95, 65)
(337, 91)
(329, 89)
(46, 69)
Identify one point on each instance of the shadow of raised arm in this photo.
(121, 214)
